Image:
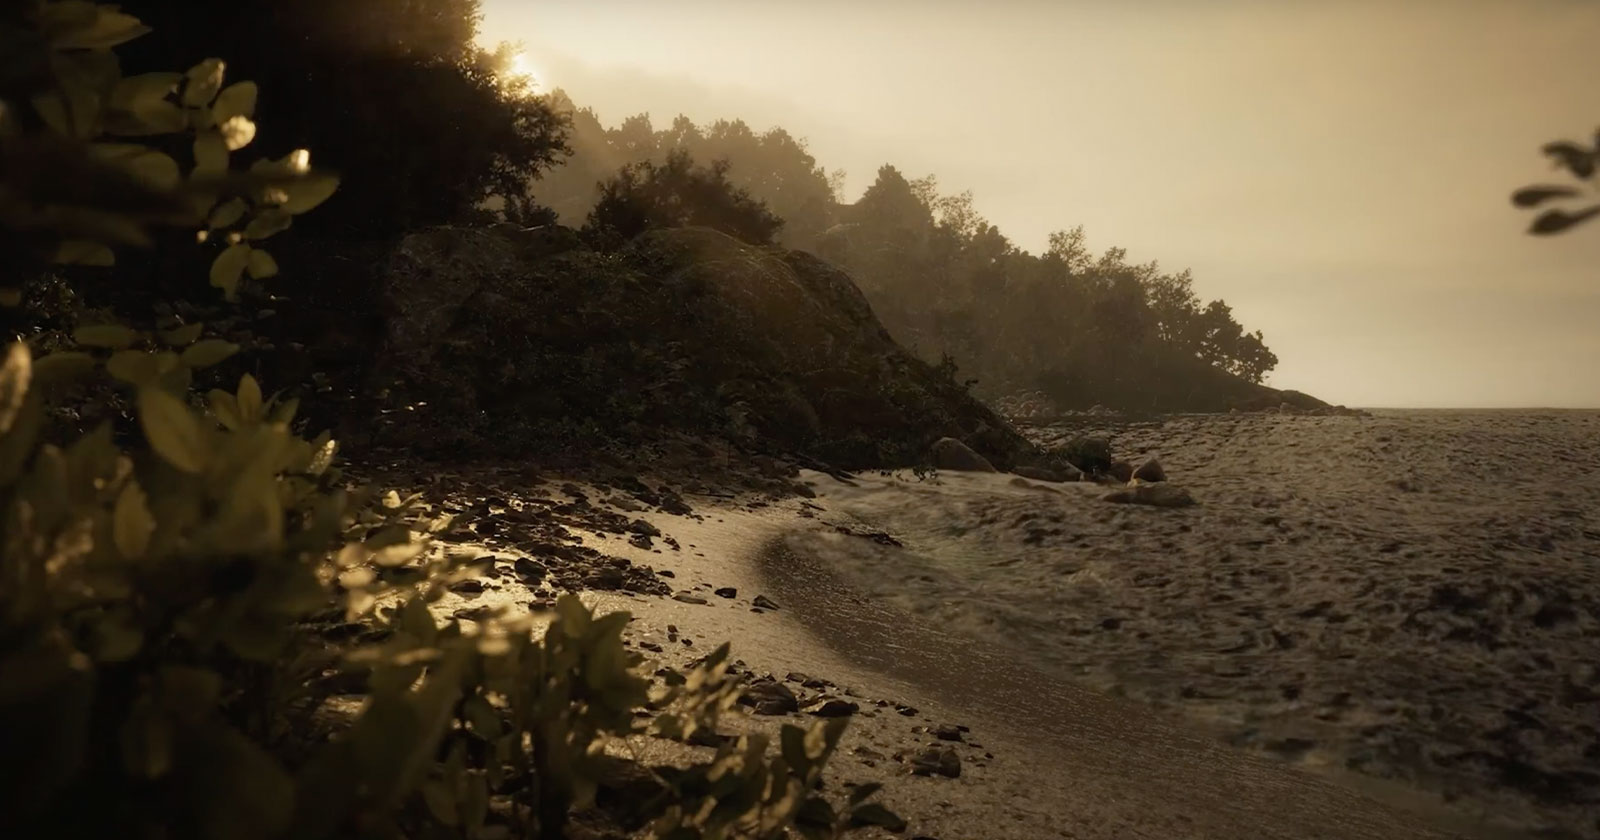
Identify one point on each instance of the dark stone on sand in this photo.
(770, 697)
(689, 599)
(605, 579)
(666, 573)
(832, 707)
(1150, 471)
(639, 526)
(763, 602)
(1154, 495)
(640, 541)
(936, 761)
(1121, 471)
(528, 568)
(467, 587)
(727, 592)
(954, 456)
(946, 732)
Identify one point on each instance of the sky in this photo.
(1337, 170)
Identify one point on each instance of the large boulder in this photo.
(954, 456)
(1150, 471)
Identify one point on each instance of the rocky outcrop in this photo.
(953, 455)
(498, 339)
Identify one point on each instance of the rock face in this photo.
(953, 455)
(497, 338)
(1155, 495)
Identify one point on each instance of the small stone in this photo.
(467, 587)
(727, 592)
(688, 598)
(936, 761)
(639, 526)
(650, 646)
(666, 573)
(529, 568)
(946, 732)
(606, 579)
(908, 711)
(640, 541)
(954, 456)
(1154, 495)
(764, 603)
(1121, 471)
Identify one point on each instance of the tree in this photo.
(678, 193)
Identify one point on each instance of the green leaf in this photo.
(184, 335)
(304, 194)
(210, 155)
(267, 223)
(62, 366)
(106, 336)
(236, 100)
(131, 522)
(84, 252)
(81, 25)
(249, 399)
(203, 82)
(135, 367)
(227, 214)
(228, 267)
(262, 265)
(209, 352)
(172, 430)
(15, 377)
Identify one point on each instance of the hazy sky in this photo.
(1337, 170)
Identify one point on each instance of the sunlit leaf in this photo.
(236, 100)
(108, 336)
(172, 430)
(249, 399)
(16, 375)
(262, 265)
(135, 367)
(202, 83)
(268, 223)
(229, 267)
(305, 194)
(237, 132)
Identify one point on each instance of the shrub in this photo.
(159, 600)
(646, 196)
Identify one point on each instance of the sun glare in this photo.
(522, 66)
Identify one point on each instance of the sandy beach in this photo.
(1043, 752)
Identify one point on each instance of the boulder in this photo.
(1121, 471)
(954, 456)
(1154, 495)
(1150, 471)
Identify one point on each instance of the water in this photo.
(1414, 595)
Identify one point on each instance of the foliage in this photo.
(158, 601)
(1581, 162)
(646, 196)
(772, 166)
(422, 123)
(947, 282)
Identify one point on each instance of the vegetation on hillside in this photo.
(1086, 329)
(183, 586)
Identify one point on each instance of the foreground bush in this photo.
(163, 581)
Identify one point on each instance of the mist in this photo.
(1338, 173)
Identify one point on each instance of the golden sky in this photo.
(1337, 170)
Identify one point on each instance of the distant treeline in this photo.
(1087, 329)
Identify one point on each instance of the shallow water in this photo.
(1414, 596)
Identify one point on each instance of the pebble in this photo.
(727, 592)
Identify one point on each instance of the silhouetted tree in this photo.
(678, 193)
(422, 124)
